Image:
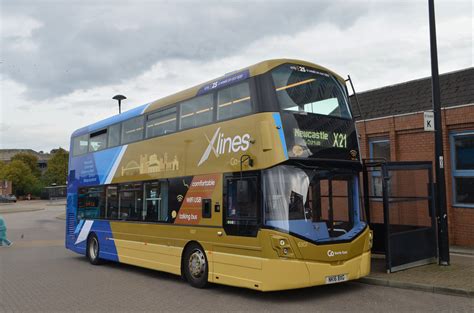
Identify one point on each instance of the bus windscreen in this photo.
(306, 90)
(319, 205)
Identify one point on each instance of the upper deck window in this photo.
(197, 111)
(114, 135)
(132, 130)
(98, 140)
(80, 144)
(161, 123)
(233, 101)
(304, 89)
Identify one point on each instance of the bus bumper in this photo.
(280, 274)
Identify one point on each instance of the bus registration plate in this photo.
(336, 278)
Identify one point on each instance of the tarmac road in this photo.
(37, 274)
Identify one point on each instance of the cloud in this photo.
(63, 62)
(84, 44)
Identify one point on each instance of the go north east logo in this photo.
(219, 144)
(332, 253)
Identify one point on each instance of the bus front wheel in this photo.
(195, 266)
(92, 250)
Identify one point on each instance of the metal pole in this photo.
(442, 216)
(119, 98)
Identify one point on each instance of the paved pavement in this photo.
(458, 278)
(28, 206)
(37, 274)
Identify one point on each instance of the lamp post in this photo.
(440, 199)
(119, 98)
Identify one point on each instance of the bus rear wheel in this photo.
(195, 266)
(92, 250)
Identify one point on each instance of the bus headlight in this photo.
(371, 239)
(282, 246)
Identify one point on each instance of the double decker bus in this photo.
(249, 180)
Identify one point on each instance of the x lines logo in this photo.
(219, 144)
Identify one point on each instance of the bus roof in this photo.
(253, 70)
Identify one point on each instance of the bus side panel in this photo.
(71, 219)
(152, 246)
(236, 270)
(102, 230)
(104, 233)
(89, 170)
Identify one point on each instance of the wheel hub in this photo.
(93, 248)
(197, 264)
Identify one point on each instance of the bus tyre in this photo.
(92, 250)
(195, 266)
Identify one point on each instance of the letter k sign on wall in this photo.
(428, 121)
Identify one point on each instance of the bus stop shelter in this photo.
(399, 205)
(55, 192)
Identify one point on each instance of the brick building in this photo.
(392, 127)
(5, 187)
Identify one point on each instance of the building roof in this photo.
(7, 154)
(456, 88)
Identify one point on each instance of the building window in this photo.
(98, 140)
(132, 130)
(462, 156)
(233, 101)
(161, 123)
(197, 111)
(379, 149)
(80, 144)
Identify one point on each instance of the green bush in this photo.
(22, 178)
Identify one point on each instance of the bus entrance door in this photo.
(237, 252)
(399, 206)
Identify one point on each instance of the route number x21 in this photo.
(339, 140)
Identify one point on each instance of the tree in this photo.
(23, 180)
(30, 160)
(56, 173)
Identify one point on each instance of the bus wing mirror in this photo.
(243, 195)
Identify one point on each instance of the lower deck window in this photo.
(91, 203)
(152, 201)
(130, 197)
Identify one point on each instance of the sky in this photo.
(61, 62)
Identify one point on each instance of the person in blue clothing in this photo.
(4, 242)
